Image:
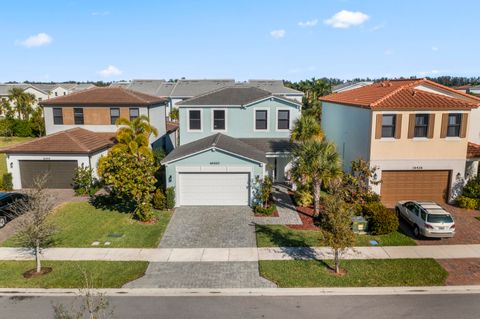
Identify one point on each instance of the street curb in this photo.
(247, 292)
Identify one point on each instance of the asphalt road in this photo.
(374, 307)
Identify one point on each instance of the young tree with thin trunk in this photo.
(35, 230)
(337, 227)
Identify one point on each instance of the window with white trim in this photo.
(219, 120)
(261, 119)
(283, 119)
(195, 120)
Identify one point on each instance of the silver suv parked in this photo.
(427, 218)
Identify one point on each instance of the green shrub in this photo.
(83, 182)
(22, 128)
(170, 197)
(303, 198)
(7, 182)
(159, 200)
(472, 188)
(381, 220)
(467, 202)
(267, 211)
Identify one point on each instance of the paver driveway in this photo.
(210, 227)
(206, 227)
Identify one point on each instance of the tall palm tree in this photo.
(317, 163)
(306, 128)
(23, 102)
(133, 136)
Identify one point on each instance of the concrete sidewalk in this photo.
(243, 254)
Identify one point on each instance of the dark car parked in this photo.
(6, 201)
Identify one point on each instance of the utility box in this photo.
(359, 225)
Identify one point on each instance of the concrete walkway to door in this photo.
(210, 227)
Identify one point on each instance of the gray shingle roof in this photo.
(189, 88)
(273, 86)
(269, 145)
(217, 141)
(235, 95)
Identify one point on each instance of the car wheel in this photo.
(3, 221)
(416, 232)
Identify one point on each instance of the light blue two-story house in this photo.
(228, 139)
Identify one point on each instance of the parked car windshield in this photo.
(435, 218)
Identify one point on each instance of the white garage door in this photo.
(213, 189)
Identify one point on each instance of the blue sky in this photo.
(243, 39)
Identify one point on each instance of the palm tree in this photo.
(317, 163)
(23, 101)
(133, 136)
(306, 128)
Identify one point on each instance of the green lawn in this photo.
(6, 143)
(282, 236)
(71, 274)
(80, 224)
(360, 273)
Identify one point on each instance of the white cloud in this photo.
(100, 13)
(308, 23)
(388, 52)
(345, 19)
(36, 40)
(110, 71)
(377, 27)
(435, 49)
(278, 34)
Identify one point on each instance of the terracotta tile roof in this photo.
(72, 141)
(172, 126)
(106, 96)
(403, 94)
(473, 150)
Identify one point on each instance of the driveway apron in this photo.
(206, 227)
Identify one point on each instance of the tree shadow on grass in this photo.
(294, 248)
(110, 202)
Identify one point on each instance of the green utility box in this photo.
(359, 225)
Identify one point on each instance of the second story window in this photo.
(57, 116)
(454, 124)
(219, 120)
(388, 125)
(283, 120)
(78, 115)
(195, 120)
(261, 119)
(114, 115)
(134, 113)
(421, 125)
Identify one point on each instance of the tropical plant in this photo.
(170, 196)
(336, 222)
(306, 128)
(159, 200)
(129, 166)
(381, 220)
(174, 114)
(84, 183)
(264, 191)
(23, 102)
(316, 163)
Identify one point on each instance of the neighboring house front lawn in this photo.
(283, 236)
(359, 273)
(81, 224)
(71, 274)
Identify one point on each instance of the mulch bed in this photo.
(274, 214)
(32, 273)
(306, 215)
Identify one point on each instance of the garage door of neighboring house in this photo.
(213, 189)
(415, 185)
(60, 173)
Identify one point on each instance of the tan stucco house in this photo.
(416, 132)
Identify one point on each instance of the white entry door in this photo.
(213, 189)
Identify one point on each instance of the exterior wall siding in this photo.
(349, 128)
(240, 122)
(418, 148)
(213, 161)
